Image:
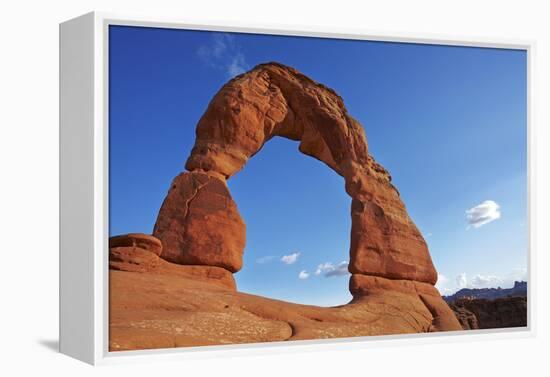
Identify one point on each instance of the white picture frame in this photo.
(84, 157)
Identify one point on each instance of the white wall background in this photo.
(29, 189)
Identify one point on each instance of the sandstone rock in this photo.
(199, 223)
(388, 244)
(417, 294)
(135, 259)
(139, 240)
(467, 319)
(151, 309)
(491, 314)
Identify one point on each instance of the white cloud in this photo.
(224, 54)
(329, 269)
(483, 213)
(303, 275)
(237, 65)
(322, 267)
(290, 259)
(217, 47)
(267, 258)
(461, 281)
(486, 281)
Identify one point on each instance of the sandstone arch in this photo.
(177, 288)
(199, 222)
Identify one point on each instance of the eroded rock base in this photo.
(158, 304)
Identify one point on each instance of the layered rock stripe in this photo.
(184, 271)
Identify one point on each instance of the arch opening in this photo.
(297, 219)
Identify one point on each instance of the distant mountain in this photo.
(518, 290)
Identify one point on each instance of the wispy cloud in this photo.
(267, 258)
(217, 47)
(223, 53)
(303, 275)
(461, 280)
(328, 269)
(478, 281)
(237, 65)
(486, 281)
(290, 259)
(447, 286)
(483, 213)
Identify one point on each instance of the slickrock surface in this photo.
(186, 296)
(157, 304)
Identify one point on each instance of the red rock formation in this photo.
(467, 319)
(158, 304)
(188, 297)
(422, 294)
(480, 313)
(275, 100)
(198, 223)
(139, 240)
(136, 259)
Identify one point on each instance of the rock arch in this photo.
(199, 223)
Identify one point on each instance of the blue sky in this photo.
(449, 123)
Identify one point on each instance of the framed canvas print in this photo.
(235, 189)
